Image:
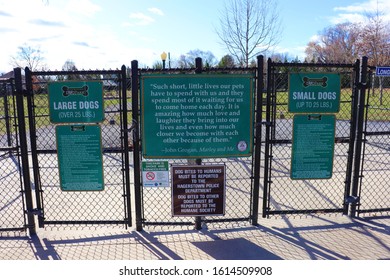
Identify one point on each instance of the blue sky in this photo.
(108, 33)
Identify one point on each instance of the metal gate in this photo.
(12, 203)
(372, 189)
(15, 197)
(281, 194)
(54, 206)
(154, 205)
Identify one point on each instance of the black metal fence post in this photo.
(352, 137)
(359, 138)
(136, 145)
(198, 70)
(24, 151)
(125, 135)
(267, 140)
(258, 124)
(7, 116)
(33, 147)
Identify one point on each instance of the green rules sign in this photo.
(76, 102)
(314, 93)
(80, 157)
(197, 116)
(313, 146)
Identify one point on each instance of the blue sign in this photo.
(383, 71)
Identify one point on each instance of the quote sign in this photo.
(198, 190)
(196, 116)
(314, 92)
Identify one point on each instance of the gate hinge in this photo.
(362, 85)
(35, 211)
(352, 199)
(267, 123)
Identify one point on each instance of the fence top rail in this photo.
(188, 70)
(79, 72)
(306, 64)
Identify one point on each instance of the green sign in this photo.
(80, 157)
(313, 146)
(314, 93)
(197, 116)
(76, 102)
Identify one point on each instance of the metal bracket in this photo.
(35, 211)
(352, 199)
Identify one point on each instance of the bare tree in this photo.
(339, 43)
(188, 60)
(375, 44)
(30, 57)
(248, 28)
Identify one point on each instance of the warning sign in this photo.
(155, 174)
(198, 190)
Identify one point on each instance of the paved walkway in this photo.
(306, 238)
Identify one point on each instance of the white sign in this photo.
(155, 174)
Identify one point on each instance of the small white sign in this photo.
(155, 174)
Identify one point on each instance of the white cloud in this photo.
(83, 7)
(358, 11)
(156, 11)
(141, 19)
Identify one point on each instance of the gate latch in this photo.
(35, 211)
(352, 199)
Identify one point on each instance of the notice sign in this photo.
(198, 190)
(76, 102)
(196, 116)
(155, 174)
(80, 159)
(313, 146)
(314, 93)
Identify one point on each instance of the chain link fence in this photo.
(57, 207)
(282, 194)
(157, 209)
(11, 192)
(375, 171)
